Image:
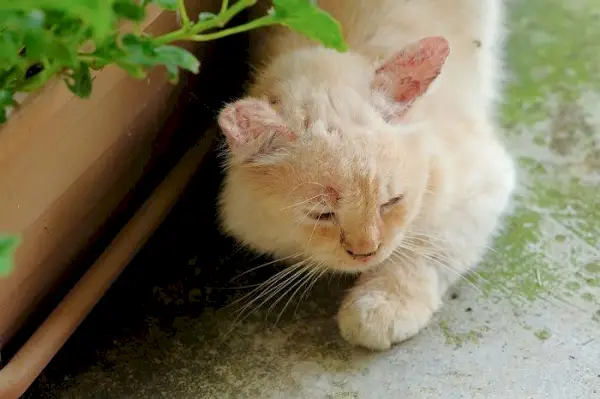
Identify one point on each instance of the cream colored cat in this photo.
(382, 160)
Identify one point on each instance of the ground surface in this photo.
(527, 327)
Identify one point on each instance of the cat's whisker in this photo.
(324, 269)
(444, 257)
(311, 276)
(470, 270)
(434, 240)
(301, 202)
(273, 289)
(271, 280)
(288, 285)
(311, 234)
(239, 287)
(264, 265)
(299, 281)
(445, 266)
(439, 257)
(306, 215)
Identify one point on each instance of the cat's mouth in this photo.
(364, 263)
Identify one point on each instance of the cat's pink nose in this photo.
(361, 247)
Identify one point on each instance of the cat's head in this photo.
(321, 163)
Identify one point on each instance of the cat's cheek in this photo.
(394, 223)
(320, 235)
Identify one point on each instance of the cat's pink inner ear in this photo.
(408, 74)
(249, 119)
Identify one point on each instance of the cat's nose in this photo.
(361, 247)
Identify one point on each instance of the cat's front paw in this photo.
(376, 320)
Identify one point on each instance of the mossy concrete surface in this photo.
(525, 325)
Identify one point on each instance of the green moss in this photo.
(560, 238)
(554, 60)
(593, 282)
(517, 270)
(553, 47)
(458, 339)
(588, 297)
(573, 285)
(593, 268)
(542, 335)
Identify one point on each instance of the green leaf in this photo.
(129, 9)
(9, 48)
(80, 81)
(98, 14)
(135, 71)
(173, 55)
(6, 101)
(305, 17)
(138, 50)
(35, 44)
(16, 19)
(141, 51)
(6, 98)
(61, 53)
(170, 5)
(203, 16)
(8, 245)
(61, 24)
(108, 50)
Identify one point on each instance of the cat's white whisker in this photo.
(323, 269)
(302, 202)
(305, 275)
(271, 280)
(274, 288)
(311, 234)
(444, 266)
(314, 272)
(306, 215)
(264, 265)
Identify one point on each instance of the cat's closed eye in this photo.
(323, 216)
(393, 201)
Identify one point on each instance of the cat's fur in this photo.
(323, 132)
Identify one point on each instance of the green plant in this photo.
(41, 39)
(8, 245)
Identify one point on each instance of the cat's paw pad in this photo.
(376, 321)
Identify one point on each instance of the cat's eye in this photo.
(323, 216)
(393, 201)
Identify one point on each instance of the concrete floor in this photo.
(527, 326)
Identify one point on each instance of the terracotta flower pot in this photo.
(65, 165)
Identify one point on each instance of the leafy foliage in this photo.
(8, 245)
(41, 39)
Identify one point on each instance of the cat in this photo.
(382, 161)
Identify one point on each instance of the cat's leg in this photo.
(390, 304)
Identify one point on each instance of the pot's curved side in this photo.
(37, 352)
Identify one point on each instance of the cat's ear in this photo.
(408, 74)
(253, 128)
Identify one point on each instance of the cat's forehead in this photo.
(348, 164)
(329, 110)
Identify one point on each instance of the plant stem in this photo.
(219, 21)
(185, 19)
(257, 23)
(224, 6)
